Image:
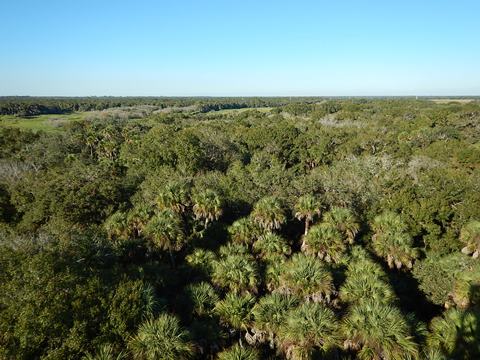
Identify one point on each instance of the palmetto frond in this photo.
(165, 230)
(392, 242)
(237, 352)
(344, 220)
(309, 326)
(268, 213)
(237, 272)
(175, 196)
(236, 310)
(378, 331)
(270, 246)
(244, 231)
(203, 298)
(306, 277)
(161, 338)
(207, 205)
(324, 241)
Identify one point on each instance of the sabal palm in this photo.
(207, 205)
(202, 297)
(237, 352)
(161, 338)
(392, 241)
(166, 231)
(378, 331)
(269, 312)
(456, 334)
(309, 326)
(201, 260)
(306, 277)
(237, 272)
(138, 218)
(244, 231)
(324, 241)
(175, 196)
(106, 352)
(117, 226)
(470, 236)
(306, 208)
(344, 220)
(270, 246)
(365, 280)
(236, 310)
(268, 213)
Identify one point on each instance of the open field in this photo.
(49, 122)
(452, 100)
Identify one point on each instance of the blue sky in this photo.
(76, 48)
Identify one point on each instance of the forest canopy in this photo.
(241, 228)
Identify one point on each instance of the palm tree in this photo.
(165, 230)
(175, 196)
(268, 213)
(161, 338)
(306, 277)
(244, 231)
(202, 260)
(456, 334)
(138, 218)
(365, 281)
(202, 297)
(269, 313)
(392, 242)
(378, 331)
(470, 236)
(271, 246)
(344, 220)
(105, 352)
(116, 226)
(207, 205)
(306, 208)
(237, 272)
(236, 311)
(324, 241)
(309, 326)
(237, 352)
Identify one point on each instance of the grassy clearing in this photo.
(446, 101)
(236, 111)
(50, 122)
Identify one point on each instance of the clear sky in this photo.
(402, 47)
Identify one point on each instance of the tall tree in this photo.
(268, 213)
(325, 241)
(309, 326)
(392, 241)
(161, 338)
(165, 230)
(207, 205)
(378, 331)
(306, 208)
(344, 221)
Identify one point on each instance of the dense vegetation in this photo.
(334, 229)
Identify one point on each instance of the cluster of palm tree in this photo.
(265, 296)
(165, 225)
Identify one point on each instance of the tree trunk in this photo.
(307, 224)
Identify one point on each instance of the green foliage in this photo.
(392, 241)
(236, 352)
(306, 277)
(378, 331)
(266, 207)
(161, 338)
